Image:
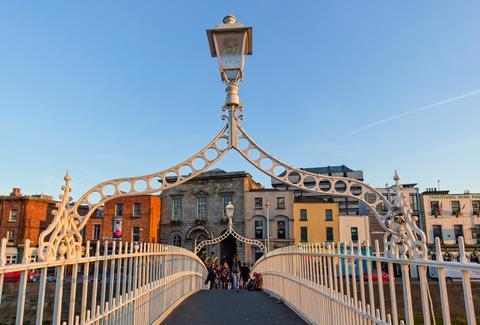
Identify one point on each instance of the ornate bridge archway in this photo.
(230, 231)
(62, 238)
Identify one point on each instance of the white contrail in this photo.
(416, 110)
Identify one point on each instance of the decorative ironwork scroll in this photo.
(230, 231)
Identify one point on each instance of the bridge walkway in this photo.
(229, 307)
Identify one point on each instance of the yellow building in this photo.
(315, 221)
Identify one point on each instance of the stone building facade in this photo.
(23, 217)
(195, 211)
(130, 219)
(278, 206)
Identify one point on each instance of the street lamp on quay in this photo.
(267, 205)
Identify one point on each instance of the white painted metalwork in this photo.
(138, 283)
(327, 283)
(229, 231)
(146, 281)
(62, 238)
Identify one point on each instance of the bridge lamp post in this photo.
(229, 209)
(230, 43)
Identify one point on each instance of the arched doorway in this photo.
(228, 248)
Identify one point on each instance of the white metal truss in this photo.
(230, 231)
(62, 238)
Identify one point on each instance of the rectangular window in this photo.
(303, 214)
(258, 203)
(258, 229)
(96, 232)
(475, 232)
(201, 207)
(281, 229)
(137, 209)
(455, 207)
(329, 215)
(458, 230)
(177, 208)
(354, 234)
(226, 199)
(413, 202)
(280, 202)
(136, 234)
(476, 207)
(435, 208)
(304, 234)
(329, 231)
(11, 236)
(477, 237)
(13, 216)
(437, 232)
(119, 209)
(11, 259)
(99, 213)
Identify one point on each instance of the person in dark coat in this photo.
(244, 274)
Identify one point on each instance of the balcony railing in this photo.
(355, 284)
(111, 283)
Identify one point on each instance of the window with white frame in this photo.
(258, 203)
(177, 208)
(202, 207)
(227, 198)
(13, 216)
(11, 236)
(11, 259)
(280, 202)
(137, 209)
(258, 229)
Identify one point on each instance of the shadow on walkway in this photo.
(229, 307)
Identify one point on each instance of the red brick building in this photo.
(131, 219)
(23, 217)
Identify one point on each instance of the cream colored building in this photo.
(278, 206)
(449, 216)
(354, 228)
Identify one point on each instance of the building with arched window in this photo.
(195, 211)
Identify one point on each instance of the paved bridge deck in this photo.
(229, 307)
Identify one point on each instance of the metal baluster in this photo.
(442, 284)
(3, 260)
(104, 277)
(370, 281)
(22, 287)
(86, 271)
(381, 296)
(467, 289)
(57, 307)
(119, 272)
(112, 275)
(73, 294)
(360, 276)
(95, 280)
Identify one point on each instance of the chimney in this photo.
(16, 192)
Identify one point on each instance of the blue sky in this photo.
(109, 89)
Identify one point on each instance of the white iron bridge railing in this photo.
(112, 283)
(342, 283)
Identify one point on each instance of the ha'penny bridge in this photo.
(148, 283)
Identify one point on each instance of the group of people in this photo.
(234, 275)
